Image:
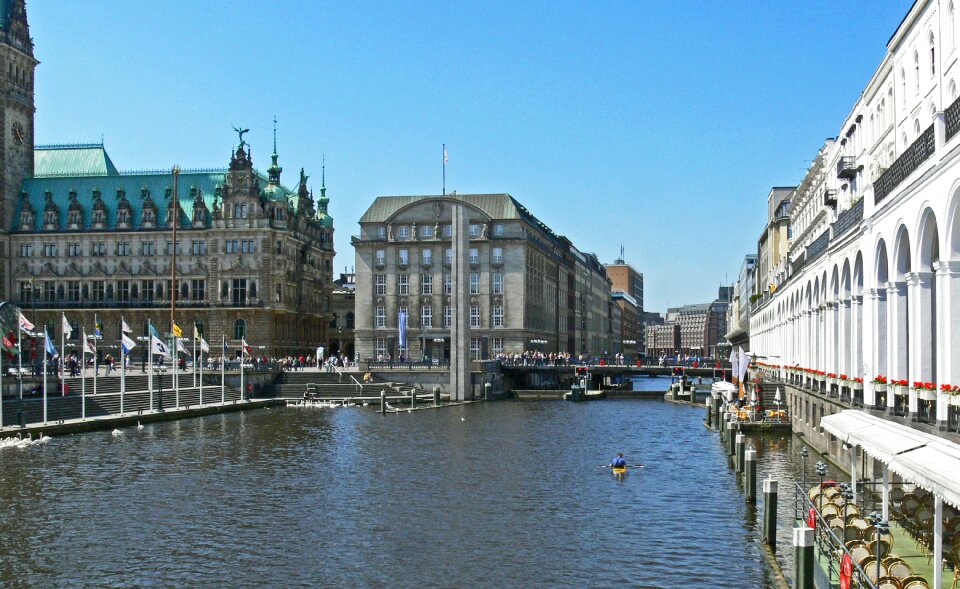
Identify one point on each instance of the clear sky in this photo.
(660, 126)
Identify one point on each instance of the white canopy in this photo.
(924, 459)
(722, 388)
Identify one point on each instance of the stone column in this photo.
(460, 386)
(921, 353)
(842, 353)
(875, 340)
(948, 331)
(896, 333)
(855, 339)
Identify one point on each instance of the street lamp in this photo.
(803, 473)
(847, 495)
(822, 471)
(882, 528)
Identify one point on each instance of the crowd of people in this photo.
(537, 358)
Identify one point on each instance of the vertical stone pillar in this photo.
(843, 342)
(831, 338)
(856, 336)
(875, 340)
(896, 334)
(460, 386)
(770, 514)
(803, 558)
(750, 477)
(948, 331)
(920, 353)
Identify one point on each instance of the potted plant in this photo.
(926, 391)
(831, 378)
(857, 384)
(880, 384)
(899, 387)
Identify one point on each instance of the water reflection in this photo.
(488, 495)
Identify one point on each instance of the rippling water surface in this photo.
(489, 495)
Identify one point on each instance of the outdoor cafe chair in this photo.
(869, 566)
(888, 582)
(884, 547)
(897, 567)
(858, 550)
(914, 582)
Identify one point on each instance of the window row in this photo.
(476, 347)
(426, 316)
(49, 291)
(426, 256)
(426, 283)
(119, 248)
(431, 231)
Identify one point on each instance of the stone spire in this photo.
(323, 201)
(273, 172)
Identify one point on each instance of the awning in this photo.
(722, 388)
(924, 459)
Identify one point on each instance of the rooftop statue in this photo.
(240, 132)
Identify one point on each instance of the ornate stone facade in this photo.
(253, 258)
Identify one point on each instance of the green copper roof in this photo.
(72, 160)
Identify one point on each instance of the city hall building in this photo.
(528, 288)
(81, 237)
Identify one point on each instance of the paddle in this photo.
(629, 465)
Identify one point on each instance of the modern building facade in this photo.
(528, 288)
(873, 282)
(83, 238)
(626, 279)
(343, 320)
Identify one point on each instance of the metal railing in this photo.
(918, 152)
(848, 219)
(952, 119)
(829, 549)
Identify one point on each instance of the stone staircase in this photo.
(293, 385)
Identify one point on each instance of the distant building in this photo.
(624, 278)
(529, 288)
(662, 340)
(344, 318)
(700, 328)
(629, 335)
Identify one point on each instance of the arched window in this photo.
(933, 56)
(350, 320)
(903, 83)
(916, 128)
(239, 329)
(951, 15)
(916, 71)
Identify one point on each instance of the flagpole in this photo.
(150, 361)
(45, 336)
(20, 357)
(63, 356)
(223, 369)
(83, 367)
(83, 389)
(195, 355)
(123, 365)
(176, 369)
(175, 203)
(243, 343)
(201, 371)
(443, 156)
(1, 387)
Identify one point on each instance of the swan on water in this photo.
(463, 419)
(139, 425)
(116, 432)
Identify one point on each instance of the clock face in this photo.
(18, 135)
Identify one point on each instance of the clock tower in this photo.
(17, 66)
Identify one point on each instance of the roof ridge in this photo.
(97, 145)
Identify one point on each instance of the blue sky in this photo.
(658, 126)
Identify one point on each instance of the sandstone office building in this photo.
(528, 288)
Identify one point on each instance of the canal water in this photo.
(501, 494)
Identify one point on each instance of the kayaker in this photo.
(619, 461)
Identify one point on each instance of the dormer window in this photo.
(123, 215)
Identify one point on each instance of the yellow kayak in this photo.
(619, 470)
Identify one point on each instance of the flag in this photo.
(10, 344)
(97, 327)
(89, 345)
(246, 348)
(196, 334)
(49, 347)
(24, 324)
(444, 155)
(153, 331)
(181, 347)
(158, 347)
(67, 329)
(124, 328)
(744, 363)
(177, 332)
(127, 343)
(204, 346)
(402, 327)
